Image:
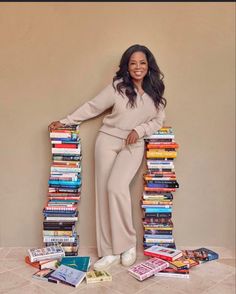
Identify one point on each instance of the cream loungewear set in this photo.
(117, 163)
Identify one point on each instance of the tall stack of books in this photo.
(159, 185)
(64, 187)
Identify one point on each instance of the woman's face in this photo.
(138, 66)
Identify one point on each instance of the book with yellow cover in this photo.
(97, 276)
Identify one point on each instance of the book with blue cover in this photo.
(81, 263)
(68, 275)
(211, 255)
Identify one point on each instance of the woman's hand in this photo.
(55, 125)
(132, 137)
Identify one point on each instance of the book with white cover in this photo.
(163, 252)
(50, 252)
(147, 268)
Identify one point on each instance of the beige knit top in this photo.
(144, 118)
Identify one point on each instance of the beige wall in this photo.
(55, 56)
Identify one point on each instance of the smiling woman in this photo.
(136, 98)
(138, 68)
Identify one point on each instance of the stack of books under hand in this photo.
(64, 187)
(159, 184)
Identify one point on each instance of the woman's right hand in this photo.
(55, 125)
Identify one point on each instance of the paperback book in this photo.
(68, 275)
(98, 276)
(147, 268)
(173, 273)
(45, 275)
(51, 252)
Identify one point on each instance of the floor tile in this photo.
(160, 289)
(96, 288)
(10, 281)
(228, 261)
(17, 253)
(213, 270)
(57, 288)
(10, 264)
(26, 271)
(4, 252)
(226, 286)
(126, 284)
(29, 289)
(196, 284)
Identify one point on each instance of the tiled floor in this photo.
(214, 277)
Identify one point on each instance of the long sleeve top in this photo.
(144, 118)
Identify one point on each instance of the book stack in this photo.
(159, 185)
(64, 186)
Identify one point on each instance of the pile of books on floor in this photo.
(159, 185)
(53, 266)
(169, 262)
(64, 187)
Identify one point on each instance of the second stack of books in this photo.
(64, 187)
(159, 185)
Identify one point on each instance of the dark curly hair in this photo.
(152, 83)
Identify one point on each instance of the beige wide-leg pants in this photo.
(115, 166)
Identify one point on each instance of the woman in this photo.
(136, 98)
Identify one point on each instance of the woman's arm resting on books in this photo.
(55, 125)
(155, 124)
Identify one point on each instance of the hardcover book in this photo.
(147, 268)
(51, 252)
(81, 263)
(68, 275)
(97, 276)
(163, 253)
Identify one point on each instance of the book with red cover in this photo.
(164, 253)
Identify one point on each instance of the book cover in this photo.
(45, 275)
(183, 262)
(201, 254)
(98, 276)
(147, 268)
(81, 263)
(211, 255)
(51, 252)
(68, 275)
(49, 264)
(163, 253)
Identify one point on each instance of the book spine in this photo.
(172, 275)
(48, 239)
(57, 233)
(167, 258)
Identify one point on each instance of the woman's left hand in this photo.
(132, 137)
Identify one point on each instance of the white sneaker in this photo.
(105, 262)
(128, 257)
